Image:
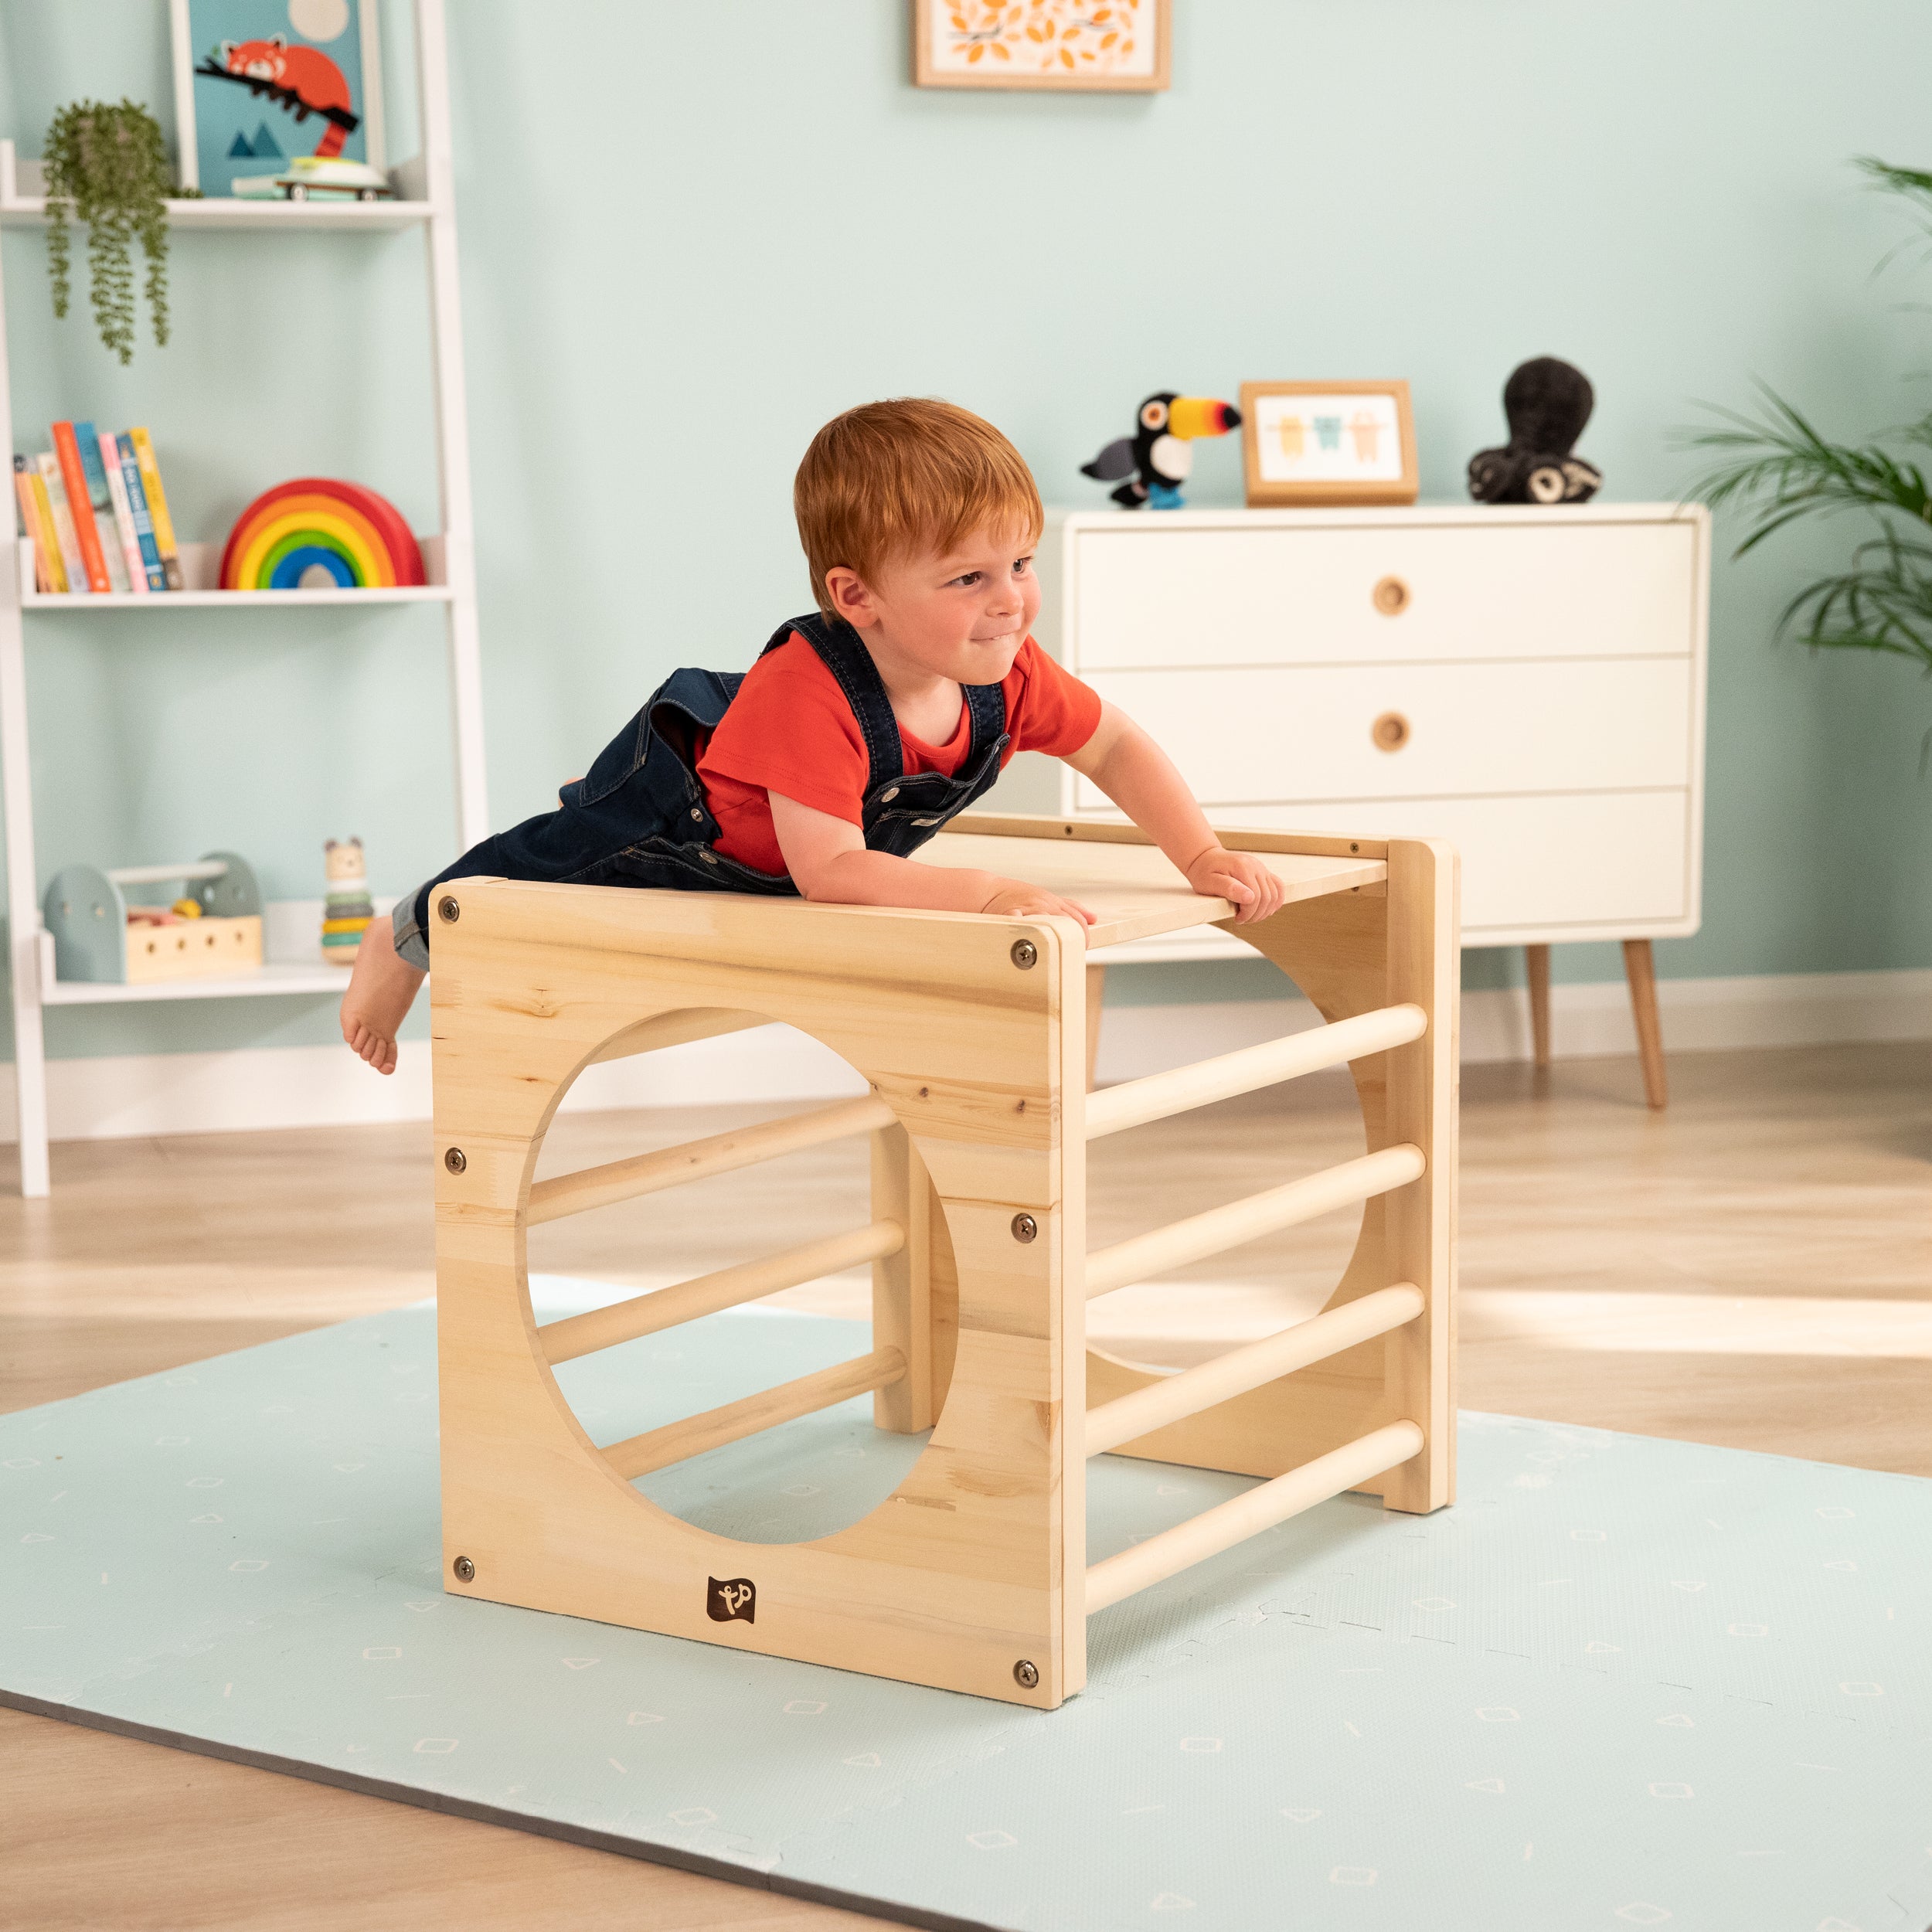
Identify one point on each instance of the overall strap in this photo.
(848, 660)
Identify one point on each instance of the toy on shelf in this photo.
(1152, 464)
(1547, 404)
(214, 928)
(349, 909)
(316, 177)
(316, 533)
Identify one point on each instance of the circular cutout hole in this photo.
(1390, 731)
(1168, 1169)
(817, 1472)
(1391, 597)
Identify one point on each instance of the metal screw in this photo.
(1025, 1227)
(466, 1573)
(448, 911)
(1025, 954)
(1026, 1675)
(453, 1159)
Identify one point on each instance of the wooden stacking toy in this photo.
(971, 1032)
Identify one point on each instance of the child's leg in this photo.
(382, 989)
(393, 956)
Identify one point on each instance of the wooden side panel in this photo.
(962, 1572)
(1424, 1083)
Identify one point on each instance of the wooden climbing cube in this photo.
(972, 1033)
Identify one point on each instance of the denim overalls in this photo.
(639, 816)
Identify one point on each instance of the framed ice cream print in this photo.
(1085, 46)
(1333, 443)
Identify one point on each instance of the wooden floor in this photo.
(1754, 1267)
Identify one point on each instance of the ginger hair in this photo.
(893, 479)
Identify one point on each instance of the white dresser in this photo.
(1526, 683)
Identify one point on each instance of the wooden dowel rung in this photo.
(677, 1441)
(1220, 1228)
(1136, 1102)
(748, 1281)
(1248, 1515)
(594, 1187)
(1175, 1396)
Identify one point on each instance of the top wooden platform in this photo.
(1127, 882)
(1130, 885)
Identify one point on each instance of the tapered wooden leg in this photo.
(1641, 969)
(1096, 993)
(1539, 959)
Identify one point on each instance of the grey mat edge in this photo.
(642, 1849)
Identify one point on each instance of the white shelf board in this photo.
(410, 210)
(200, 562)
(225, 212)
(233, 600)
(274, 976)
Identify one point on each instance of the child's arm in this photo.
(828, 860)
(1138, 776)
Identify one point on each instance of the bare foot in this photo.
(382, 989)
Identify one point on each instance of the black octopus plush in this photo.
(1547, 403)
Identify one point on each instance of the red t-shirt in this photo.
(791, 730)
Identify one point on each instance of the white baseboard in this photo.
(121, 1095)
(1587, 1022)
(125, 1095)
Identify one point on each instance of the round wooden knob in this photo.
(1390, 731)
(1390, 596)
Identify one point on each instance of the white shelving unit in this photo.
(426, 200)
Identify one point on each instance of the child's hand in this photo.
(1016, 899)
(1255, 891)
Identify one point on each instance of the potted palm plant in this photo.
(1779, 468)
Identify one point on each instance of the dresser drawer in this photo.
(1147, 594)
(1559, 867)
(1248, 737)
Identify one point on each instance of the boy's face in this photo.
(962, 613)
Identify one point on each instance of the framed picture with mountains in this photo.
(259, 83)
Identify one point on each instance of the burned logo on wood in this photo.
(734, 1600)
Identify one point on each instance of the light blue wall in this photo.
(692, 234)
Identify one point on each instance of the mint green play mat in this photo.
(1622, 1682)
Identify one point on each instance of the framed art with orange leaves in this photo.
(1096, 45)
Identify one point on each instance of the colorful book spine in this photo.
(68, 536)
(30, 521)
(149, 557)
(56, 558)
(157, 508)
(67, 446)
(116, 520)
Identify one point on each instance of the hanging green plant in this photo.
(108, 166)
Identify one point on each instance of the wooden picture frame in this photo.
(1077, 47)
(1336, 443)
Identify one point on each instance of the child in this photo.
(861, 729)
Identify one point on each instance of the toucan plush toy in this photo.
(1152, 464)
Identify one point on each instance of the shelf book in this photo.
(94, 509)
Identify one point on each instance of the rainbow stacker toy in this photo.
(315, 533)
